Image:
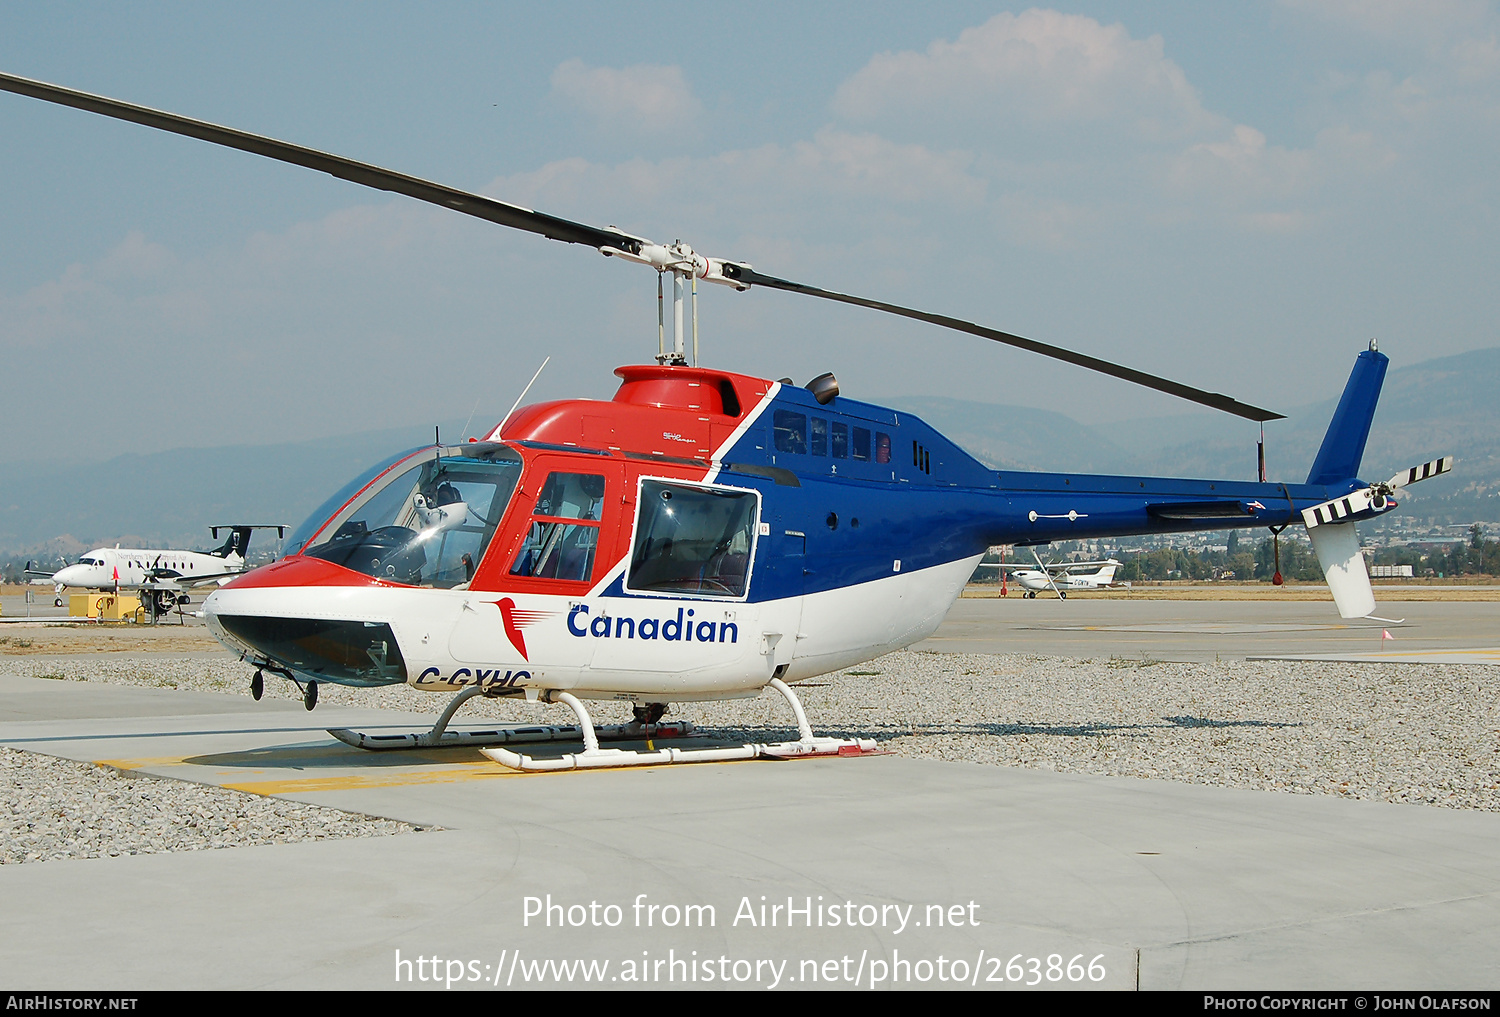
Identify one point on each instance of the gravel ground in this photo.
(1386, 732)
(56, 808)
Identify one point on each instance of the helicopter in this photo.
(705, 534)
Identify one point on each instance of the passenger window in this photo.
(882, 447)
(840, 440)
(692, 540)
(564, 535)
(862, 443)
(791, 431)
(818, 445)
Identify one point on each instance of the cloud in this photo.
(1265, 188)
(395, 310)
(1041, 68)
(1439, 62)
(817, 186)
(1416, 21)
(653, 98)
(1073, 124)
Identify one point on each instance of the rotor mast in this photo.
(687, 267)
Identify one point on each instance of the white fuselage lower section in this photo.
(645, 649)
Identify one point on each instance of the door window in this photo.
(694, 540)
(563, 538)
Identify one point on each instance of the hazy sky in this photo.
(1237, 196)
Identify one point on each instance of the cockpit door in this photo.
(559, 538)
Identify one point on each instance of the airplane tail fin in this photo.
(1344, 443)
(239, 537)
(238, 542)
(1106, 575)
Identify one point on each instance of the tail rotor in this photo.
(1373, 499)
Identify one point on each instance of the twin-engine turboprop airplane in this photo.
(704, 535)
(162, 575)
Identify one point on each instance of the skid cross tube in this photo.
(441, 737)
(593, 757)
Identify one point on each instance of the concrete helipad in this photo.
(1000, 874)
(1156, 884)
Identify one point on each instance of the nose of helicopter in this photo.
(311, 618)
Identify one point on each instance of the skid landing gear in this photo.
(593, 757)
(440, 736)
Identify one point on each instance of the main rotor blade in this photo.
(477, 205)
(1215, 400)
(554, 228)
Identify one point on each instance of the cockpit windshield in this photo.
(428, 521)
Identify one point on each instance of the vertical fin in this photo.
(1344, 444)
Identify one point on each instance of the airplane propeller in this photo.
(678, 258)
(1375, 498)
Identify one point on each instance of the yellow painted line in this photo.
(137, 764)
(451, 775)
(360, 781)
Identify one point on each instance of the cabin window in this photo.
(840, 440)
(791, 431)
(693, 540)
(424, 525)
(861, 448)
(882, 447)
(818, 437)
(564, 535)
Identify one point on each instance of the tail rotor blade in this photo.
(1417, 473)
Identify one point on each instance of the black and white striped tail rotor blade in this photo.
(1416, 473)
(1339, 509)
(1375, 498)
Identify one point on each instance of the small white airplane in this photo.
(1060, 577)
(162, 575)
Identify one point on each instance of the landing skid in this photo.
(441, 737)
(593, 757)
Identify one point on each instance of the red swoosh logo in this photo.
(515, 619)
(512, 630)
